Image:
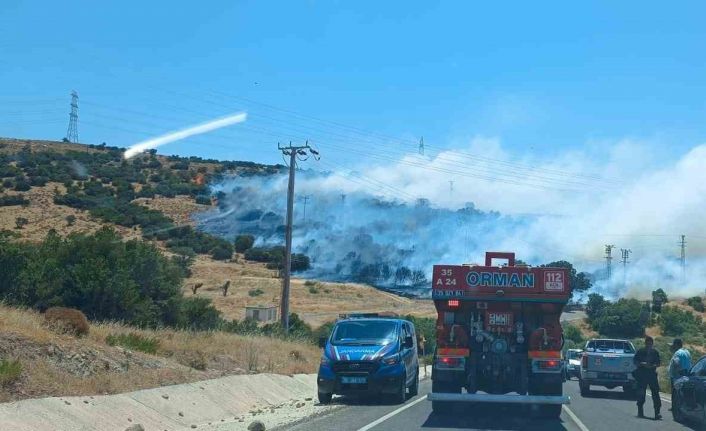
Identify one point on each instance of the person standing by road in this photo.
(647, 360)
(681, 361)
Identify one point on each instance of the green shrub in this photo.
(134, 341)
(222, 253)
(313, 290)
(624, 318)
(696, 302)
(573, 333)
(6, 201)
(677, 322)
(203, 200)
(244, 242)
(10, 371)
(255, 292)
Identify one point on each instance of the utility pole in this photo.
(305, 198)
(421, 145)
(451, 187)
(625, 256)
(295, 152)
(682, 245)
(72, 131)
(609, 261)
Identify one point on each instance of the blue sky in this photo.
(541, 77)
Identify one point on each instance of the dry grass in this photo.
(178, 208)
(44, 215)
(181, 357)
(326, 304)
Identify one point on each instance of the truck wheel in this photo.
(443, 407)
(629, 391)
(585, 388)
(551, 411)
(325, 397)
(548, 411)
(414, 389)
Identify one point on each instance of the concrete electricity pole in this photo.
(682, 245)
(625, 255)
(421, 145)
(300, 152)
(609, 260)
(305, 198)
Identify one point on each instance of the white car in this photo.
(573, 363)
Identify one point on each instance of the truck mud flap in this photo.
(510, 399)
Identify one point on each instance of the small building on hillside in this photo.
(261, 313)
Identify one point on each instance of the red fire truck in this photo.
(499, 335)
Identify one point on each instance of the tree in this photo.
(225, 287)
(579, 282)
(222, 253)
(195, 288)
(70, 220)
(624, 319)
(595, 305)
(659, 298)
(243, 243)
(21, 222)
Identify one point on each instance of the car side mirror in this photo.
(322, 342)
(408, 342)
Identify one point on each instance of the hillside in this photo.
(52, 364)
(74, 188)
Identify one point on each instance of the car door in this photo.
(688, 389)
(406, 352)
(699, 382)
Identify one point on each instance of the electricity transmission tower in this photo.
(72, 131)
(421, 145)
(609, 261)
(625, 256)
(295, 152)
(682, 245)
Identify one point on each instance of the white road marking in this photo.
(395, 412)
(574, 418)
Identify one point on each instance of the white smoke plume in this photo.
(566, 208)
(185, 133)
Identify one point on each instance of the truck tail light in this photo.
(549, 365)
(449, 362)
(454, 303)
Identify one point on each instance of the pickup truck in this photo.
(607, 363)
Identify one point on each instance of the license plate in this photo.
(354, 380)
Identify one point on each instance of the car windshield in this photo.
(573, 355)
(364, 332)
(606, 345)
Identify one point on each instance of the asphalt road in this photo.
(603, 410)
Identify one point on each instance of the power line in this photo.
(72, 131)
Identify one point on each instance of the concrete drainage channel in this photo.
(227, 403)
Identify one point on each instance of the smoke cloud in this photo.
(565, 208)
